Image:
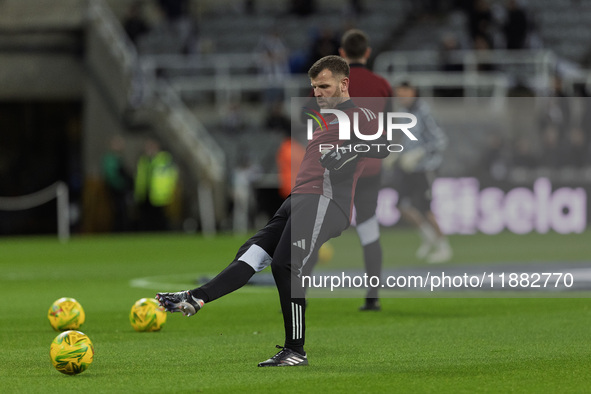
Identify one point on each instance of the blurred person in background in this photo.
(447, 46)
(581, 134)
(119, 183)
(277, 121)
(516, 26)
(155, 186)
(481, 22)
(272, 57)
(555, 124)
(523, 154)
(494, 159)
(290, 153)
(325, 42)
(482, 45)
(357, 8)
(414, 172)
(289, 157)
(233, 121)
(134, 23)
(449, 61)
(174, 9)
(175, 32)
(356, 51)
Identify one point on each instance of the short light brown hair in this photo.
(354, 42)
(335, 64)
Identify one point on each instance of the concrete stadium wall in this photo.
(41, 76)
(41, 14)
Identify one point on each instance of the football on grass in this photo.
(147, 315)
(66, 314)
(71, 352)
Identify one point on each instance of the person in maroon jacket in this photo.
(318, 209)
(356, 51)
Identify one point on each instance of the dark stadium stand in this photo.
(196, 80)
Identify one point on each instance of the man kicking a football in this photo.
(356, 51)
(319, 208)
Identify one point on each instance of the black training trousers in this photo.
(294, 234)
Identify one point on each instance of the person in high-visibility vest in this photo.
(155, 185)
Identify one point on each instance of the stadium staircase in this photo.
(113, 62)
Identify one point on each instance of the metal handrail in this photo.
(543, 62)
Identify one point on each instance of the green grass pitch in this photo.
(414, 345)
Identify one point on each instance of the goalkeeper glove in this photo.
(336, 159)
